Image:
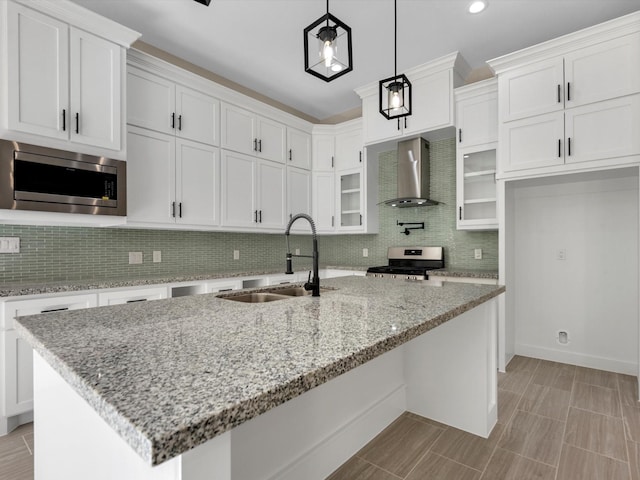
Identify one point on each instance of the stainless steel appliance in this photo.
(409, 263)
(45, 179)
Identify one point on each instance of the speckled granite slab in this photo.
(171, 374)
(492, 274)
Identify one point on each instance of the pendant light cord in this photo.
(327, 13)
(395, 37)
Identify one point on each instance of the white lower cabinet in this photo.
(171, 181)
(17, 354)
(119, 297)
(223, 285)
(253, 192)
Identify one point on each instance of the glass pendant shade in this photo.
(395, 97)
(327, 47)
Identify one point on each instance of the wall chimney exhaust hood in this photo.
(413, 175)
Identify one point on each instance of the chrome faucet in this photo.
(312, 285)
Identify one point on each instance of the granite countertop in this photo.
(19, 289)
(446, 272)
(171, 374)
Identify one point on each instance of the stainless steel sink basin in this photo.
(291, 291)
(255, 297)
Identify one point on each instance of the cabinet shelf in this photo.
(348, 212)
(479, 200)
(480, 173)
(350, 190)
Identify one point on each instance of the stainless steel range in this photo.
(409, 263)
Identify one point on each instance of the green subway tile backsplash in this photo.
(78, 253)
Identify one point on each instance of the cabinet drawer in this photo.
(17, 308)
(131, 296)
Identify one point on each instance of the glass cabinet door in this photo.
(478, 183)
(351, 199)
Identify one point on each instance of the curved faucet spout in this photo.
(313, 285)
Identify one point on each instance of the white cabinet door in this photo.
(19, 308)
(349, 150)
(299, 148)
(350, 197)
(532, 142)
(238, 130)
(151, 176)
(223, 285)
(150, 101)
(272, 140)
(197, 116)
(38, 69)
(18, 361)
(238, 190)
(197, 183)
(376, 127)
(323, 152)
(299, 197)
(607, 70)
(477, 120)
(131, 296)
(432, 106)
(324, 201)
(603, 130)
(476, 188)
(271, 191)
(95, 90)
(532, 90)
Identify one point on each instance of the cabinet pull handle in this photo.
(559, 148)
(332, 161)
(173, 120)
(77, 123)
(180, 122)
(405, 122)
(173, 209)
(290, 155)
(333, 220)
(255, 144)
(360, 152)
(398, 124)
(138, 300)
(64, 119)
(568, 91)
(180, 209)
(260, 216)
(260, 145)
(559, 94)
(255, 216)
(569, 145)
(459, 135)
(51, 310)
(459, 213)
(360, 219)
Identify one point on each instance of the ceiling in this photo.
(259, 43)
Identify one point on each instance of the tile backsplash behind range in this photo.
(77, 253)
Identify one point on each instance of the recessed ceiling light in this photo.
(477, 7)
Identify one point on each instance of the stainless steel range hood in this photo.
(413, 175)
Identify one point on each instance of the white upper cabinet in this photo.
(299, 197)
(298, 148)
(171, 181)
(571, 101)
(349, 149)
(64, 85)
(477, 114)
(245, 132)
(323, 150)
(324, 201)
(159, 104)
(253, 192)
(432, 107)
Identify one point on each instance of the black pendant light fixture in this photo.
(395, 92)
(327, 48)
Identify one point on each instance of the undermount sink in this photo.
(269, 295)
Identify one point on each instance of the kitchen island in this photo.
(205, 387)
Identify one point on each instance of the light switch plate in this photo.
(365, 252)
(135, 258)
(236, 254)
(9, 244)
(157, 256)
(477, 254)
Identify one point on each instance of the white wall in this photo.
(593, 293)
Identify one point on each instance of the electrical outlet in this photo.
(236, 254)
(157, 256)
(9, 244)
(297, 251)
(562, 254)
(477, 254)
(365, 252)
(135, 258)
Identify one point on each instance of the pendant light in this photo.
(395, 92)
(327, 48)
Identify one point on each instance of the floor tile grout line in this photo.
(27, 445)
(566, 422)
(577, 447)
(427, 452)
(374, 465)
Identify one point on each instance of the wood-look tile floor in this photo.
(555, 422)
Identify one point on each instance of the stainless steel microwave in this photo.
(44, 179)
